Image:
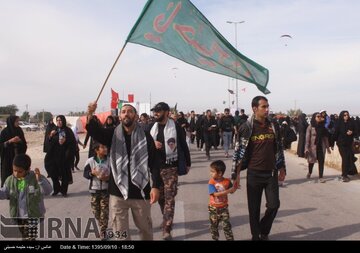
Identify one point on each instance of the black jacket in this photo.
(104, 136)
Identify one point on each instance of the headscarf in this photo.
(345, 126)
(63, 119)
(341, 117)
(10, 124)
(319, 128)
(10, 132)
(112, 124)
(302, 121)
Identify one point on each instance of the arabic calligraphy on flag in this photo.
(179, 29)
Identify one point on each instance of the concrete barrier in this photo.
(332, 160)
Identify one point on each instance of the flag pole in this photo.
(112, 68)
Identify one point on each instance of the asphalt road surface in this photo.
(309, 210)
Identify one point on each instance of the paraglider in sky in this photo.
(286, 37)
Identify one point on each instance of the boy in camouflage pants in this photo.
(97, 170)
(219, 188)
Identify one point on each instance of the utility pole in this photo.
(237, 87)
(150, 101)
(27, 110)
(229, 91)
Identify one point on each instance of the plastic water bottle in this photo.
(62, 134)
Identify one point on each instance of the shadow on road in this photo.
(284, 213)
(305, 180)
(202, 227)
(318, 233)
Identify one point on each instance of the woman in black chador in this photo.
(302, 126)
(344, 137)
(12, 142)
(60, 156)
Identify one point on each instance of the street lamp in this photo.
(237, 91)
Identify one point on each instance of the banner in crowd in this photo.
(179, 29)
(114, 99)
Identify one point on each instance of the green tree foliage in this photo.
(293, 113)
(43, 116)
(25, 116)
(8, 110)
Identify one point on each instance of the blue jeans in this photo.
(227, 136)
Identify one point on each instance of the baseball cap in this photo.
(162, 106)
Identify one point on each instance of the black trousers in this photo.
(61, 177)
(77, 158)
(199, 141)
(208, 142)
(257, 182)
(321, 160)
(346, 159)
(57, 187)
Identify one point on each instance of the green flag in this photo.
(121, 103)
(179, 29)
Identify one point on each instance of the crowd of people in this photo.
(319, 135)
(134, 157)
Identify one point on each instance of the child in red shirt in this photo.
(219, 188)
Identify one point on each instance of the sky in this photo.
(56, 54)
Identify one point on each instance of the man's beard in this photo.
(161, 118)
(128, 122)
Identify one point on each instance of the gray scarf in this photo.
(139, 170)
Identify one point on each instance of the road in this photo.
(309, 210)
